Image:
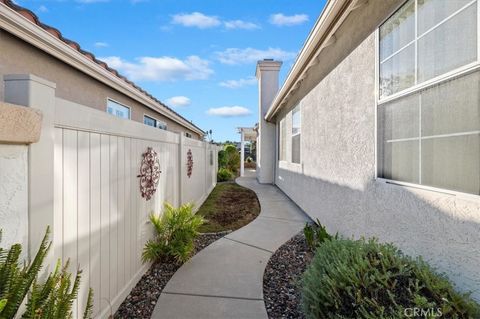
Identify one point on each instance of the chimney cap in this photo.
(267, 65)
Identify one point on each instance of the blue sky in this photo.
(197, 56)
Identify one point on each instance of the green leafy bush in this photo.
(52, 298)
(224, 175)
(232, 158)
(366, 279)
(249, 160)
(222, 159)
(175, 232)
(315, 234)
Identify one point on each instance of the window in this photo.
(211, 158)
(282, 156)
(147, 120)
(118, 109)
(425, 39)
(162, 125)
(150, 121)
(188, 135)
(296, 134)
(430, 136)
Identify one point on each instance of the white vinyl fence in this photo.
(99, 219)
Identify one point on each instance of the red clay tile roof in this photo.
(32, 17)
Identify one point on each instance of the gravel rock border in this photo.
(143, 297)
(280, 279)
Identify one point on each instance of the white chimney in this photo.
(267, 75)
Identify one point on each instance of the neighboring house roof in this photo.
(90, 58)
(321, 36)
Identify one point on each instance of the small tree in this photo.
(232, 158)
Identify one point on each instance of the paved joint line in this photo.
(211, 296)
(283, 219)
(253, 246)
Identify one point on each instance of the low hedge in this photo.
(366, 279)
(224, 175)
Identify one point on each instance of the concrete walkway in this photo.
(225, 280)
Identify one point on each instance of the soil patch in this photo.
(229, 207)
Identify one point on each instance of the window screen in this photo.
(118, 109)
(296, 134)
(418, 46)
(432, 135)
(149, 121)
(283, 141)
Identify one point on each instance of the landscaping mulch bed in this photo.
(229, 207)
(282, 274)
(143, 297)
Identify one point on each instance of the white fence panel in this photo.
(100, 219)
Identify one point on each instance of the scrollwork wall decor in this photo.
(189, 163)
(149, 173)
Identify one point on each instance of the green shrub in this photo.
(52, 298)
(366, 279)
(224, 175)
(249, 160)
(315, 234)
(222, 159)
(232, 158)
(175, 232)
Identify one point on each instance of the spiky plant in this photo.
(175, 232)
(52, 298)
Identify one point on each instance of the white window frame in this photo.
(293, 135)
(456, 73)
(282, 122)
(122, 104)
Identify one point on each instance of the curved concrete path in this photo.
(225, 280)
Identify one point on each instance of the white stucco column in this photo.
(32, 91)
(242, 153)
(267, 75)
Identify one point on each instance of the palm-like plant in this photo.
(175, 232)
(52, 298)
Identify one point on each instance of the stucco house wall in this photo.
(336, 180)
(19, 57)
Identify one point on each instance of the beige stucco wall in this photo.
(19, 57)
(336, 180)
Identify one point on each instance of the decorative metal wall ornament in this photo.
(149, 173)
(189, 163)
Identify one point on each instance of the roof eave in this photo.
(24, 29)
(320, 36)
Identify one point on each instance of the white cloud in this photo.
(42, 9)
(196, 19)
(162, 68)
(249, 55)
(235, 84)
(279, 19)
(240, 24)
(178, 101)
(229, 111)
(101, 44)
